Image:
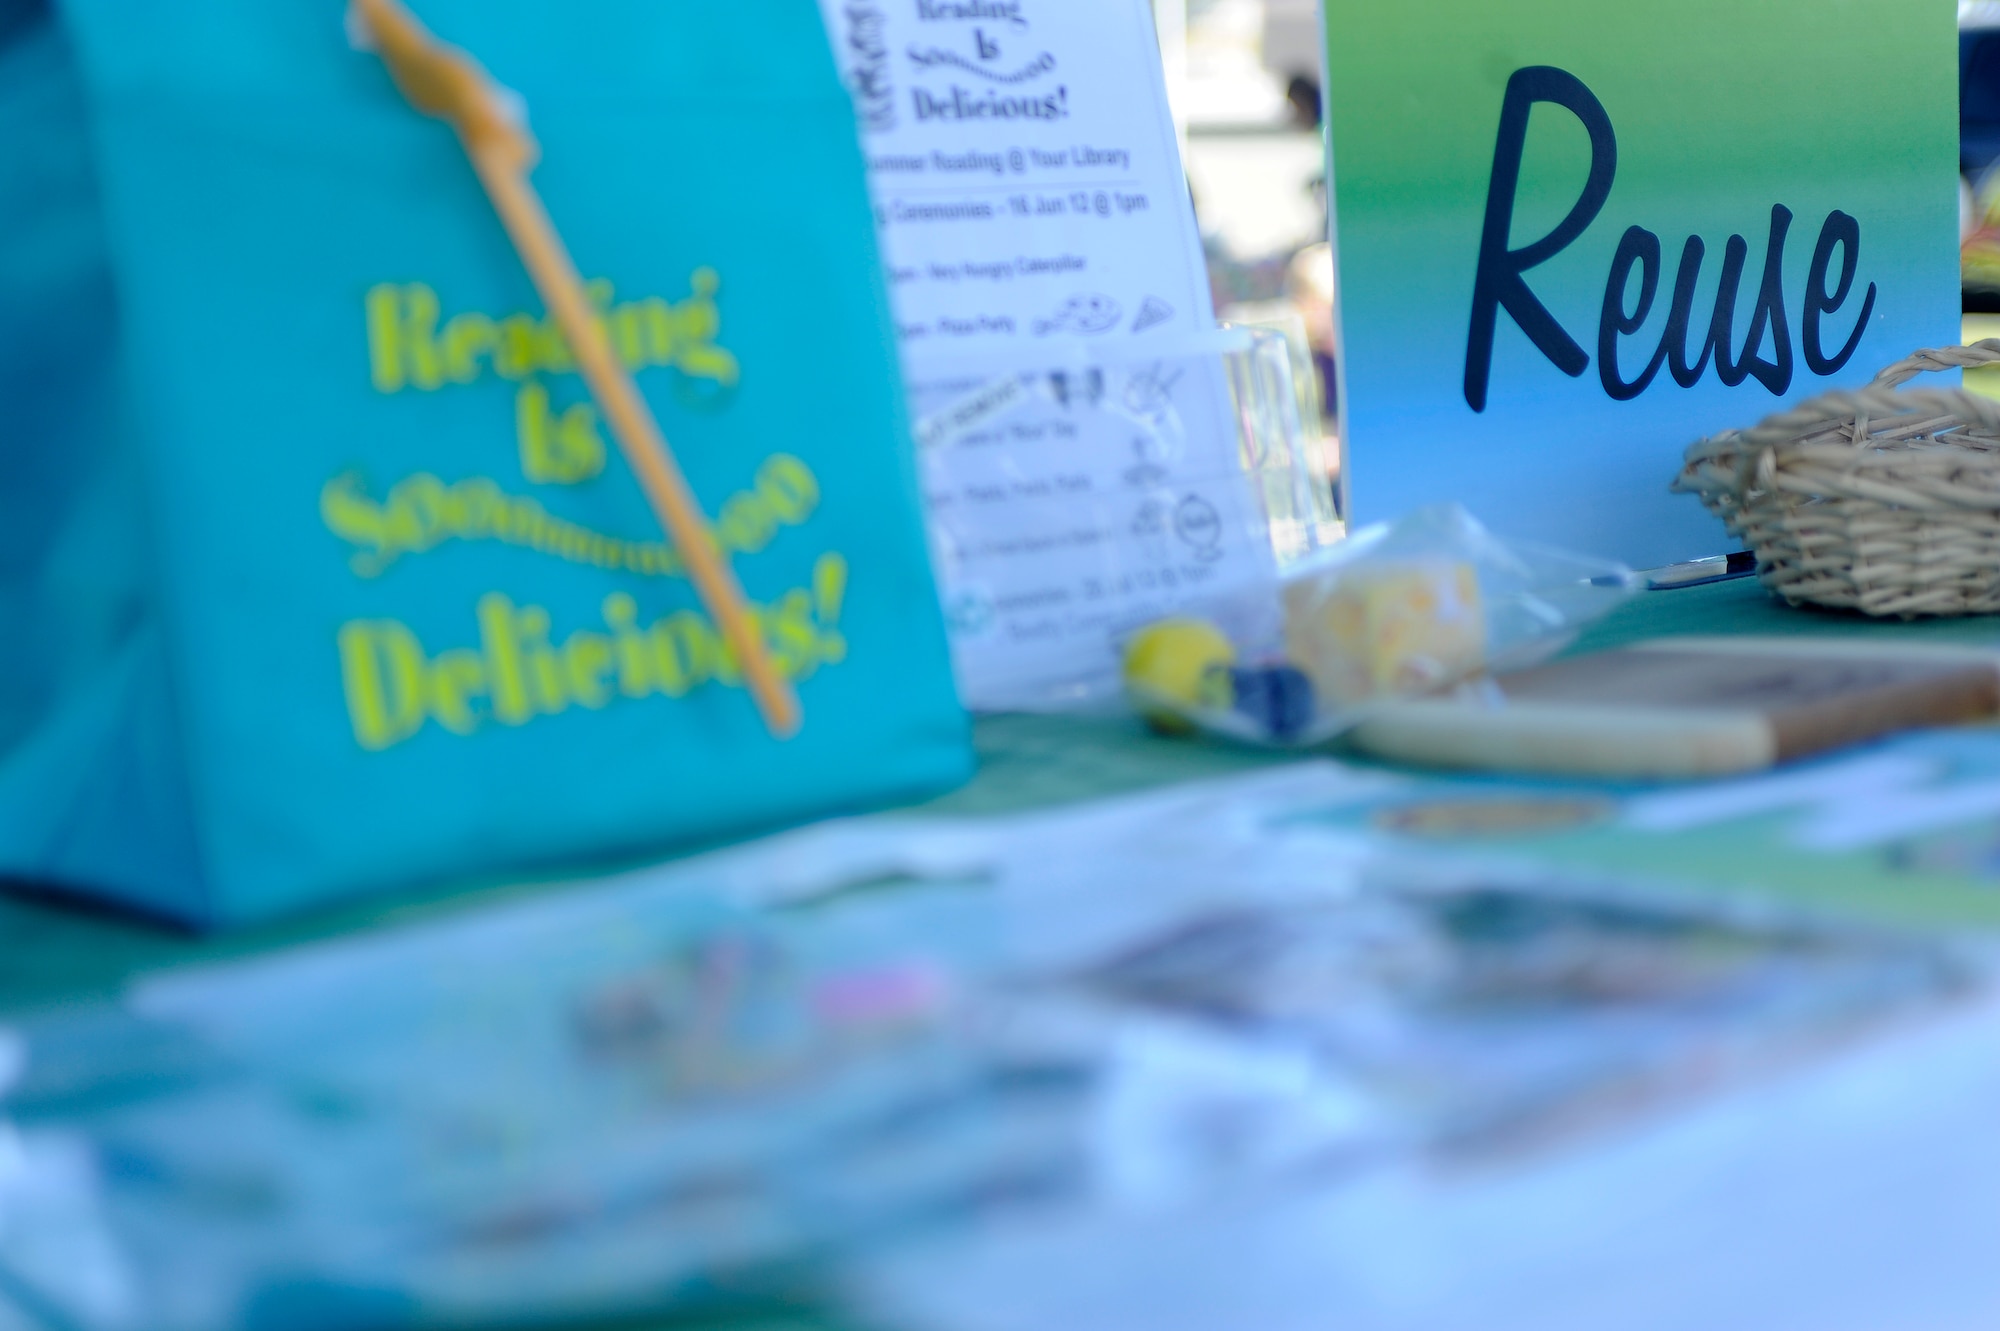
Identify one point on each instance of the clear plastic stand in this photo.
(1276, 396)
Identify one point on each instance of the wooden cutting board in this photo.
(1683, 707)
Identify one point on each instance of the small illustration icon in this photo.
(986, 49)
(1149, 393)
(1082, 314)
(969, 613)
(1085, 389)
(1149, 529)
(874, 93)
(1152, 463)
(1144, 474)
(1152, 313)
(1198, 525)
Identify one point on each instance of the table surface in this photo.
(53, 952)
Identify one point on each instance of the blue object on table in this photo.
(319, 574)
(1278, 698)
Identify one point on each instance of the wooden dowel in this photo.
(441, 81)
(638, 436)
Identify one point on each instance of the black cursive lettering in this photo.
(1766, 352)
(1844, 231)
(1641, 248)
(1768, 316)
(1497, 283)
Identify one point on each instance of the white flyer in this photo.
(1078, 447)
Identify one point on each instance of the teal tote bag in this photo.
(321, 573)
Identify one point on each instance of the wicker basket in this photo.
(1875, 500)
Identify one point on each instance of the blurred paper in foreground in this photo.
(621, 1099)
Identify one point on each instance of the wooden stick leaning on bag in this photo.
(442, 81)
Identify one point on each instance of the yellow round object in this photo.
(1173, 660)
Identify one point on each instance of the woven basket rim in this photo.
(1879, 499)
(1880, 399)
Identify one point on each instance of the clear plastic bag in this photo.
(1397, 611)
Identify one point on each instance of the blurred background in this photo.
(1244, 80)
(1979, 181)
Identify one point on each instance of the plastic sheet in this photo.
(1419, 606)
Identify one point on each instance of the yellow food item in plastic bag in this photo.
(1385, 630)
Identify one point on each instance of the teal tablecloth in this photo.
(55, 950)
(50, 951)
(1743, 608)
